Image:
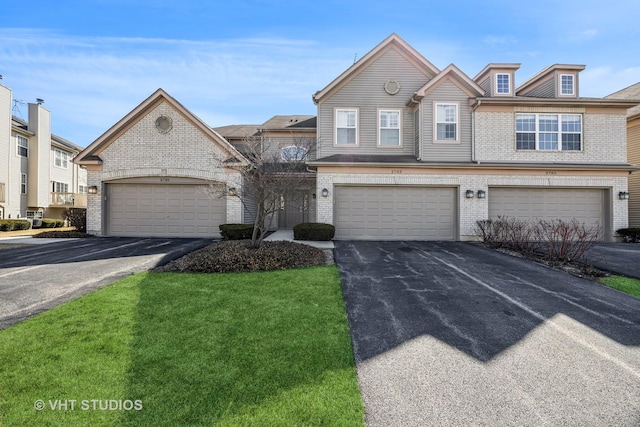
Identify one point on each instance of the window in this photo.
(549, 132)
(293, 153)
(389, 122)
(23, 183)
(34, 214)
(60, 159)
(446, 122)
(346, 127)
(566, 84)
(23, 146)
(502, 84)
(82, 189)
(60, 187)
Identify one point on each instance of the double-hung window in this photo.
(503, 86)
(389, 132)
(567, 86)
(60, 159)
(60, 187)
(446, 122)
(23, 146)
(549, 132)
(23, 183)
(346, 126)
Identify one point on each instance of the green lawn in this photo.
(624, 284)
(250, 349)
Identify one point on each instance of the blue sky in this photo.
(93, 61)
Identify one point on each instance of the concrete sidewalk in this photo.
(30, 240)
(287, 235)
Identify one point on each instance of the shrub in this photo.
(76, 217)
(557, 240)
(62, 234)
(52, 223)
(236, 231)
(14, 224)
(313, 231)
(630, 234)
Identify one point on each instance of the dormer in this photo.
(497, 79)
(556, 81)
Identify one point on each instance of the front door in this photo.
(294, 208)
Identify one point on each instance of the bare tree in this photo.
(275, 167)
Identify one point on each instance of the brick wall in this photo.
(142, 151)
(471, 210)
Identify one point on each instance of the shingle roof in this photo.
(237, 131)
(631, 92)
(289, 121)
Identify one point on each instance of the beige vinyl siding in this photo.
(447, 91)
(486, 85)
(633, 150)
(546, 89)
(366, 92)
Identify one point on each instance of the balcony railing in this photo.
(69, 200)
(2, 197)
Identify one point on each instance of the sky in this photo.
(242, 62)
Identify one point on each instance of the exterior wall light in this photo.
(623, 195)
(233, 191)
(469, 194)
(482, 194)
(325, 192)
(92, 190)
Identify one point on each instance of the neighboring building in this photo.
(37, 175)
(633, 149)
(403, 150)
(408, 151)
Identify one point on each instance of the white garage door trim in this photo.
(178, 208)
(391, 212)
(587, 205)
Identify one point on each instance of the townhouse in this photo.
(37, 175)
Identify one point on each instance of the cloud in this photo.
(90, 83)
(605, 80)
(500, 40)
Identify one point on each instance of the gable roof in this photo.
(393, 41)
(546, 72)
(496, 66)
(459, 78)
(90, 155)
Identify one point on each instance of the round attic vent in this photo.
(392, 87)
(164, 124)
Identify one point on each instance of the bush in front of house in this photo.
(76, 217)
(317, 231)
(52, 223)
(557, 240)
(14, 224)
(630, 234)
(236, 231)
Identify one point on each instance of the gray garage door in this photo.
(159, 210)
(395, 213)
(585, 205)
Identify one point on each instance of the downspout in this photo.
(473, 131)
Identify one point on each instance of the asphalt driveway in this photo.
(34, 278)
(618, 258)
(456, 334)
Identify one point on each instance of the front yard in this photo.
(268, 348)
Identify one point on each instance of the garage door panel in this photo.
(393, 213)
(586, 205)
(162, 210)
